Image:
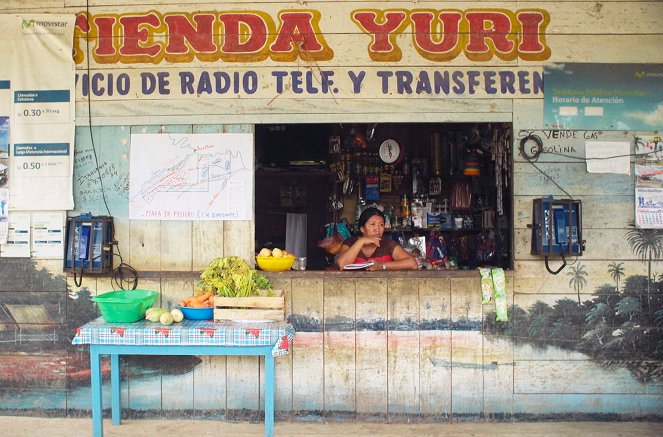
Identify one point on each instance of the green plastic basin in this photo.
(125, 305)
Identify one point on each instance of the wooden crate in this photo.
(250, 308)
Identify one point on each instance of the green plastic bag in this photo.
(499, 283)
(486, 285)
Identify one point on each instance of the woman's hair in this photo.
(367, 214)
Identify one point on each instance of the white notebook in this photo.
(358, 266)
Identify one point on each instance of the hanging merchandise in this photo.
(336, 233)
(471, 165)
(501, 153)
(332, 242)
(372, 191)
(461, 196)
(436, 154)
(493, 287)
(487, 289)
(499, 283)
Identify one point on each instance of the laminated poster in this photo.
(18, 237)
(48, 235)
(4, 214)
(649, 182)
(37, 101)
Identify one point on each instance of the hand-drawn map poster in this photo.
(191, 177)
(649, 182)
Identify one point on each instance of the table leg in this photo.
(269, 395)
(116, 412)
(95, 385)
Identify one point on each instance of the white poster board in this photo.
(39, 71)
(191, 177)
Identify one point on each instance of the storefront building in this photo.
(320, 87)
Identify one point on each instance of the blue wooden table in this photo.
(191, 337)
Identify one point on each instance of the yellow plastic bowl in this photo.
(271, 264)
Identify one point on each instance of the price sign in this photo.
(42, 106)
(45, 159)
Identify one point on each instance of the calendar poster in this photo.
(649, 182)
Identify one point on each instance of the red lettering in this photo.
(245, 36)
(492, 26)
(81, 31)
(300, 35)
(440, 40)
(532, 45)
(185, 39)
(105, 27)
(252, 36)
(138, 42)
(383, 46)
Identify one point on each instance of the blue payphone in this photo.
(89, 244)
(557, 229)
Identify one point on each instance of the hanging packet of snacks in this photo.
(486, 285)
(499, 283)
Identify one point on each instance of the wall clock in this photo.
(390, 151)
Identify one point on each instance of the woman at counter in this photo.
(385, 253)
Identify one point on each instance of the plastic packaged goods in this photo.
(499, 283)
(487, 288)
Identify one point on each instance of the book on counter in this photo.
(358, 266)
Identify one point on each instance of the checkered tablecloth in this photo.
(189, 332)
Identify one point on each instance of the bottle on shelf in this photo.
(405, 210)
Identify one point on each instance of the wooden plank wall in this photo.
(363, 351)
(578, 31)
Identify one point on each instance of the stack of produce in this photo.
(230, 276)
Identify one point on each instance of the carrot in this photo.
(199, 300)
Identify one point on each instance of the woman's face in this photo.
(374, 227)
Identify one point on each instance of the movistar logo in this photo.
(644, 74)
(26, 24)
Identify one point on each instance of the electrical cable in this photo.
(118, 272)
(533, 158)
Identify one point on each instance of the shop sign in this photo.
(604, 96)
(336, 52)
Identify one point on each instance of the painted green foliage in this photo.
(619, 326)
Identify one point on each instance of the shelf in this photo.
(426, 230)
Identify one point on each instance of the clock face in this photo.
(390, 151)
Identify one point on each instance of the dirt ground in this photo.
(30, 427)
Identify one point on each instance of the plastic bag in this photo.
(487, 288)
(499, 282)
(333, 242)
(436, 250)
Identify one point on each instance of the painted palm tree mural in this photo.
(578, 280)
(647, 244)
(616, 271)
(621, 326)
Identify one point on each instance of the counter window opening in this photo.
(444, 189)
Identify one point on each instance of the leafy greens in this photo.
(230, 276)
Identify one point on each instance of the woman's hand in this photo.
(348, 254)
(370, 241)
(377, 265)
